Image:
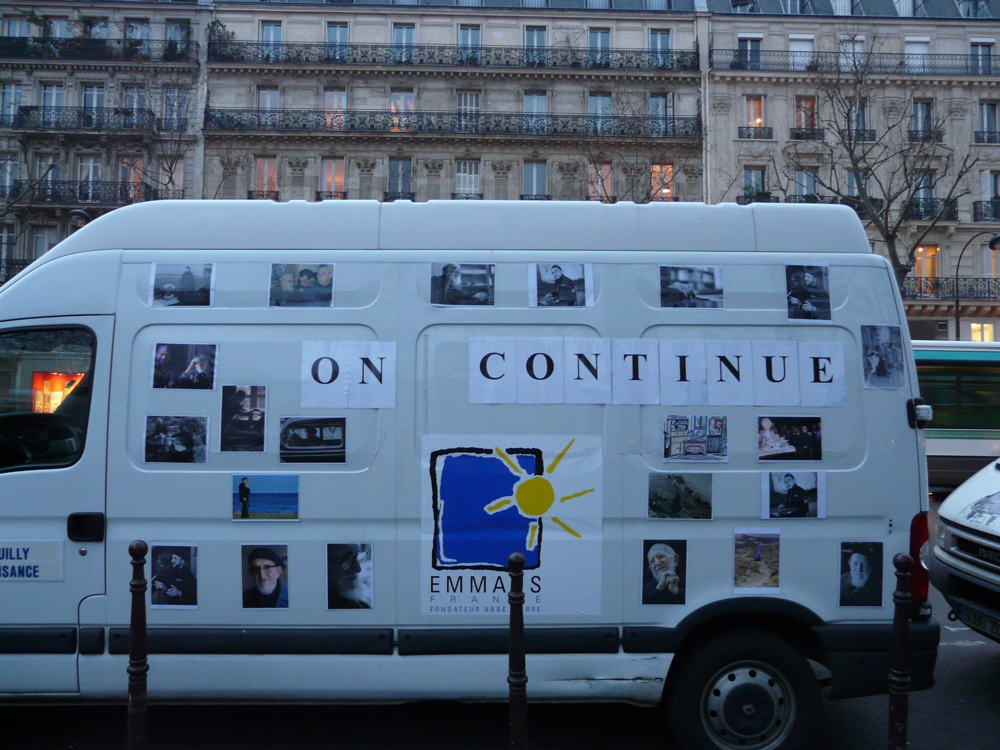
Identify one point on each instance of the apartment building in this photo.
(109, 103)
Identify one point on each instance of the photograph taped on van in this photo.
(560, 285)
(265, 497)
(691, 286)
(265, 576)
(861, 574)
(301, 285)
(244, 418)
(789, 439)
(173, 583)
(463, 283)
(695, 437)
(184, 365)
(882, 347)
(664, 577)
(680, 496)
(793, 494)
(350, 575)
(756, 552)
(182, 284)
(182, 440)
(313, 440)
(808, 295)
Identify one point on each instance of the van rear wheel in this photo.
(744, 691)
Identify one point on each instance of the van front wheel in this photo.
(744, 691)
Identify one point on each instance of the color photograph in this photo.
(350, 576)
(756, 560)
(265, 497)
(793, 494)
(694, 437)
(680, 496)
(265, 576)
(560, 285)
(313, 440)
(664, 572)
(244, 408)
(184, 366)
(178, 440)
(182, 285)
(301, 285)
(691, 286)
(808, 293)
(462, 284)
(173, 583)
(882, 357)
(789, 439)
(861, 574)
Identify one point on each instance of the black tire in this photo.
(744, 690)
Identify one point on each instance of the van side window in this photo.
(45, 385)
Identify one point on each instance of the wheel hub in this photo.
(748, 706)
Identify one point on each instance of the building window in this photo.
(334, 104)
(801, 52)
(535, 181)
(268, 98)
(266, 177)
(93, 97)
(337, 39)
(599, 108)
(10, 100)
(49, 168)
(754, 181)
(400, 179)
(661, 112)
(855, 182)
(534, 45)
(988, 122)
(805, 112)
(137, 34)
(925, 262)
(175, 108)
(661, 182)
(467, 177)
(403, 38)
(659, 48)
(851, 53)
(58, 27)
(982, 332)
(467, 103)
(923, 116)
(42, 239)
(332, 186)
(536, 106)
(974, 9)
(915, 55)
(131, 174)
(755, 111)
(600, 48)
(15, 26)
(599, 182)
(805, 182)
(468, 42)
(748, 53)
(982, 58)
(96, 28)
(401, 104)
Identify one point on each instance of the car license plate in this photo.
(980, 621)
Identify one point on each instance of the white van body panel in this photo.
(872, 462)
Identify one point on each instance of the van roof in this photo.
(471, 225)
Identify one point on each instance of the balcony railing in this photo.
(926, 135)
(10, 267)
(488, 123)
(535, 197)
(262, 195)
(986, 210)
(466, 196)
(877, 204)
(928, 209)
(171, 124)
(747, 198)
(857, 135)
(811, 198)
(879, 63)
(87, 191)
(807, 134)
(84, 118)
(753, 133)
(449, 55)
(104, 50)
(943, 287)
(331, 195)
(987, 136)
(398, 195)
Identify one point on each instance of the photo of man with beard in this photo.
(266, 569)
(663, 578)
(861, 574)
(350, 576)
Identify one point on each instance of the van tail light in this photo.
(920, 577)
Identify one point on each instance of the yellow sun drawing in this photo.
(534, 496)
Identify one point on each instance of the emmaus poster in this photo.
(487, 496)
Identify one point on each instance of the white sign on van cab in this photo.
(349, 374)
(31, 561)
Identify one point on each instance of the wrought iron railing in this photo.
(878, 63)
(755, 133)
(928, 209)
(466, 196)
(603, 198)
(86, 191)
(168, 194)
(811, 198)
(807, 134)
(262, 195)
(943, 287)
(876, 203)
(987, 136)
(986, 210)
(398, 195)
(331, 195)
(10, 267)
(105, 50)
(171, 124)
(926, 135)
(535, 197)
(84, 118)
(747, 198)
(449, 55)
(491, 123)
(857, 135)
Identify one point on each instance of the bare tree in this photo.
(889, 163)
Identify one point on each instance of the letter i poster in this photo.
(486, 496)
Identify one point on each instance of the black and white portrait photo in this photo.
(462, 283)
(174, 580)
(808, 292)
(882, 357)
(301, 285)
(789, 439)
(179, 440)
(313, 440)
(691, 286)
(182, 284)
(793, 494)
(664, 571)
(184, 366)
(861, 574)
(560, 285)
(244, 408)
(680, 496)
(350, 576)
(265, 576)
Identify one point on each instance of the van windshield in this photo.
(45, 383)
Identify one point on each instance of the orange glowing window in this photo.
(49, 389)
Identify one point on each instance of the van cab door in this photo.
(53, 439)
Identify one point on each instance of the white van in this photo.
(965, 558)
(333, 422)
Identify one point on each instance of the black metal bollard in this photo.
(517, 676)
(899, 672)
(138, 664)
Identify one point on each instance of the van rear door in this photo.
(53, 439)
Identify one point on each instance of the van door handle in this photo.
(85, 527)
